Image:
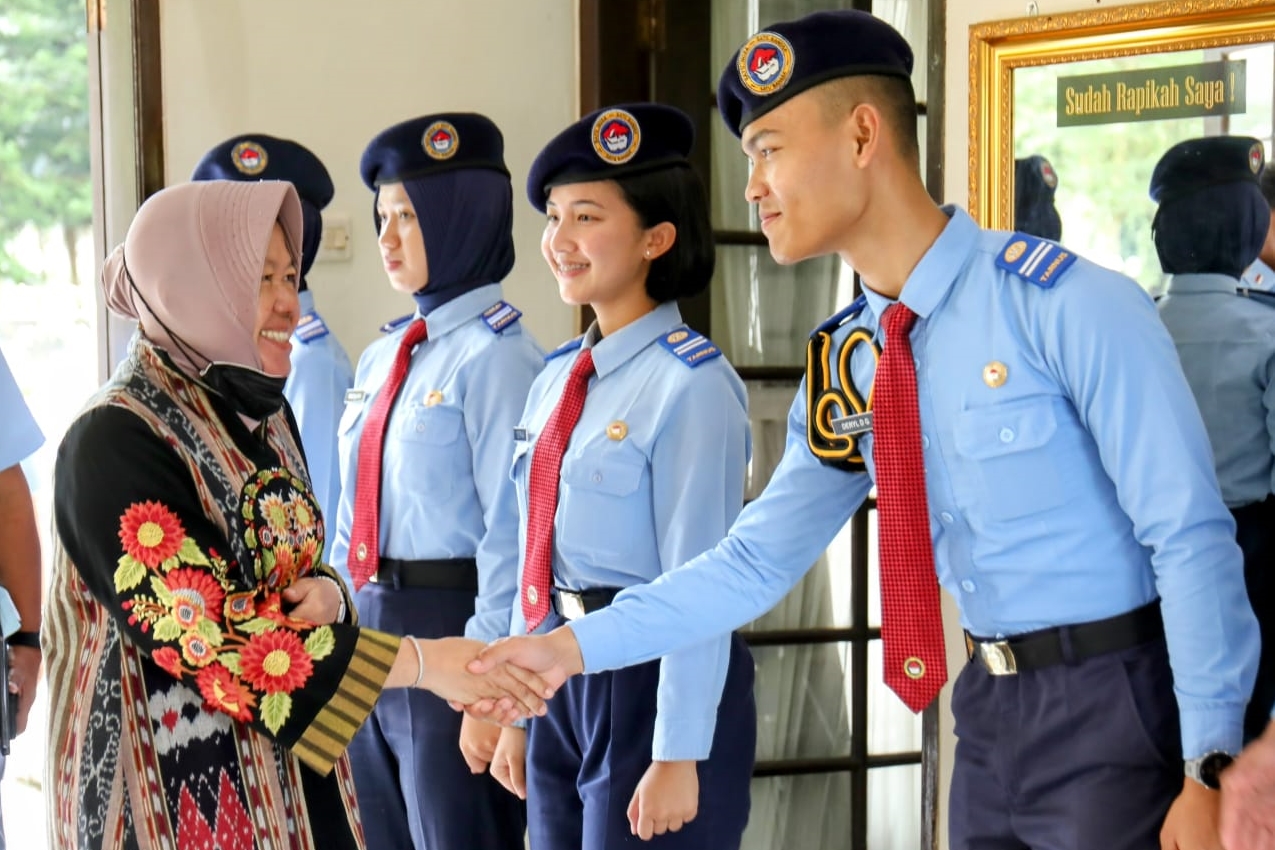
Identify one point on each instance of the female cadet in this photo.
(425, 446)
(650, 474)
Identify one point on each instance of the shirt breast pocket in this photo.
(429, 448)
(1010, 459)
(602, 499)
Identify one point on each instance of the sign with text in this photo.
(1182, 91)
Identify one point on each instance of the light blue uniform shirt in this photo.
(19, 434)
(445, 467)
(316, 386)
(1079, 489)
(1260, 276)
(1227, 347)
(652, 477)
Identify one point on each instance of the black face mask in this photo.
(249, 392)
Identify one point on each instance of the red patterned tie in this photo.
(542, 491)
(365, 536)
(911, 619)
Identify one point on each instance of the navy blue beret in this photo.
(1035, 182)
(256, 156)
(632, 138)
(790, 57)
(1211, 161)
(433, 144)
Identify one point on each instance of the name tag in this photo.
(847, 426)
(355, 396)
(521, 435)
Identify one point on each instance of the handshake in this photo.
(502, 682)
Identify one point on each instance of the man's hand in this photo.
(500, 692)
(666, 799)
(1248, 797)
(554, 657)
(1192, 820)
(478, 743)
(509, 764)
(314, 600)
(24, 674)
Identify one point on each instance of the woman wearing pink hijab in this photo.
(205, 671)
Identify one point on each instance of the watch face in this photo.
(1211, 768)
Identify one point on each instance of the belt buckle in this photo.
(997, 657)
(572, 605)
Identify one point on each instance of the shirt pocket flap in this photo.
(615, 470)
(1002, 429)
(436, 425)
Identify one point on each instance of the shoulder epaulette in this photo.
(569, 345)
(500, 316)
(311, 327)
(394, 324)
(1261, 296)
(840, 318)
(1034, 259)
(690, 347)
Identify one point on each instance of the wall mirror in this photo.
(1101, 94)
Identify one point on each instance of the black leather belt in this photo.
(574, 604)
(1071, 644)
(443, 574)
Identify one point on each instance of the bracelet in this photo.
(340, 614)
(420, 661)
(30, 639)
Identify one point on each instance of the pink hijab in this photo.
(195, 252)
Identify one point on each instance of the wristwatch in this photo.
(1207, 769)
(31, 639)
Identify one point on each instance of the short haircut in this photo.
(675, 195)
(893, 96)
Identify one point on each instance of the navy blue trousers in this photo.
(1068, 757)
(587, 755)
(413, 786)
(1255, 532)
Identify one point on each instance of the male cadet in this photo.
(19, 552)
(1035, 182)
(321, 371)
(1031, 437)
(1211, 222)
(1260, 275)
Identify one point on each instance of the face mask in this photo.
(249, 392)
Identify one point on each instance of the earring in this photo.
(648, 253)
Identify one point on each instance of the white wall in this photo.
(331, 75)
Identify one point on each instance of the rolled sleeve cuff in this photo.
(602, 644)
(1210, 729)
(684, 739)
(487, 627)
(330, 733)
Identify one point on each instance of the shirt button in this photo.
(597, 478)
(532, 596)
(967, 586)
(420, 426)
(925, 442)
(1007, 435)
(946, 517)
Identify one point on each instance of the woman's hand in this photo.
(666, 799)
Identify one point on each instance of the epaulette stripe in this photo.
(691, 344)
(500, 316)
(1029, 266)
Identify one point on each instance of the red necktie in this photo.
(365, 536)
(542, 491)
(911, 619)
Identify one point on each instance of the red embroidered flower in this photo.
(196, 595)
(151, 533)
(271, 608)
(168, 659)
(195, 649)
(240, 607)
(222, 691)
(276, 662)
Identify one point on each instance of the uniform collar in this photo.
(612, 352)
(1259, 275)
(938, 269)
(1200, 284)
(448, 317)
(306, 299)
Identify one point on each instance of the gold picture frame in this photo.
(997, 48)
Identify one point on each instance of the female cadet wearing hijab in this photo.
(1210, 225)
(651, 475)
(425, 446)
(204, 674)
